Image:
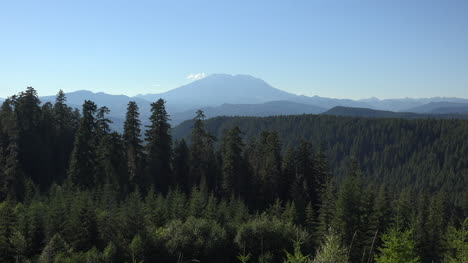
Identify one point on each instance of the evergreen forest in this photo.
(292, 189)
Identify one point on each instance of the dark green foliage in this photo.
(28, 123)
(181, 165)
(349, 212)
(159, 147)
(263, 235)
(82, 168)
(418, 154)
(66, 123)
(7, 229)
(194, 239)
(265, 160)
(202, 157)
(326, 211)
(234, 166)
(457, 240)
(132, 143)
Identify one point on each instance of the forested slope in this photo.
(421, 154)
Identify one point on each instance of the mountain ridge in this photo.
(245, 95)
(372, 113)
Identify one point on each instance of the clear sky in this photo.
(343, 49)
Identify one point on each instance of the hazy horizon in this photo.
(140, 94)
(337, 49)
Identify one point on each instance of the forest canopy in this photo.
(303, 188)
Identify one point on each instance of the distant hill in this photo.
(452, 110)
(271, 108)
(441, 107)
(406, 104)
(219, 89)
(360, 112)
(371, 113)
(328, 103)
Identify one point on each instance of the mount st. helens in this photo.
(244, 95)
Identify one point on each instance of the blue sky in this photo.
(342, 49)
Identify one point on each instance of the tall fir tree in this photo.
(326, 210)
(159, 147)
(321, 177)
(234, 169)
(111, 165)
(181, 165)
(348, 211)
(288, 174)
(304, 180)
(102, 122)
(202, 157)
(110, 160)
(66, 124)
(132, 142)
(82, 170)
(30, 145)
(265, 160)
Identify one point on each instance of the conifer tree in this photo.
(397, 248)
(55, 216)
(159, 147)
(288, 174)
(347, 216)
(7, 225)
(102, 122)
(132, 215)
(66, 123)
(29, 142)
(54, 247)
(132, 142)
(181, 165)
(12, 177)
(304, 180)
(331, 250)
(49, 138)
(457, 243)
(61, 110)
(7, 119)
(310, 219)
(403, 210)
(210, 212)
(321, 173)
(233, 164)
(265, 159)
(419, 223)
(109, 151)
(80, 228)
(10, 170)
(197, 202)
(111, 165)
(436, 225)
(326, 209)
(202, 157)
(378, 219)
(82, 168)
